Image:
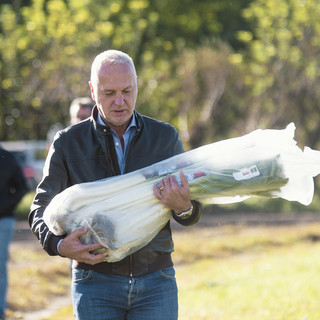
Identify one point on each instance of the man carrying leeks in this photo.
(116, 139)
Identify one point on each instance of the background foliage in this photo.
(213, 68)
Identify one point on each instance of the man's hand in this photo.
(172, 195)
(72, 248)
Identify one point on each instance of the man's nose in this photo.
(119, 101)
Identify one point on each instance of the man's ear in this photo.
(92, 91)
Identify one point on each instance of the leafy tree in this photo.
(47, 46)
(283, 59)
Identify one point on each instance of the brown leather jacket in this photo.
(85, 152)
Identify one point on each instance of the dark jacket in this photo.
(13, 185)
(85, 152)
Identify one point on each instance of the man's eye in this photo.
(127, 91)
(109, 93)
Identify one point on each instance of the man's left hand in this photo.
(173, 195)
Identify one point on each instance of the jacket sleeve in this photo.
(54, 181)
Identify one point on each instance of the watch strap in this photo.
(186, 214)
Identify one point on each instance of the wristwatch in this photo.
(185, 214)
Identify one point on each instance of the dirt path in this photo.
(23, 237)
(23, 233)
(53, 308)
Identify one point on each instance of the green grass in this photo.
(264, 281)
(225, 273)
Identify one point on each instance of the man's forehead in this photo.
(116, 78)
(114, 68)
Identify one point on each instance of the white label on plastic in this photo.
(246, 173)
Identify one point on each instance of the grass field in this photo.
(223, 273)
(251, 273)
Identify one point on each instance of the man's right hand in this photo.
(71, 247)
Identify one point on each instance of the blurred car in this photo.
(31, 155)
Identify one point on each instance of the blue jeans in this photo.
(6, 232)
(104, 297)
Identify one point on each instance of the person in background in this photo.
(80, 109)
(115, 140)
(13, 187)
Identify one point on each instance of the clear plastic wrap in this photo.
(123, 215)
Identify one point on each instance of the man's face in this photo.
(115, 95)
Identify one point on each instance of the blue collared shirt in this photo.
(127, 136)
